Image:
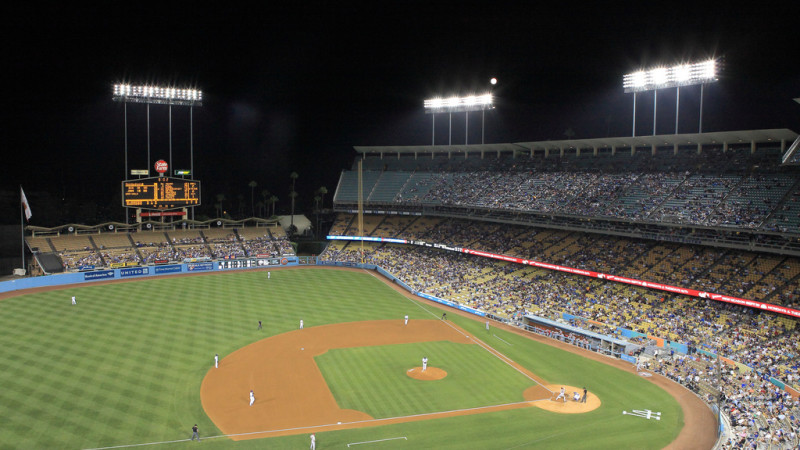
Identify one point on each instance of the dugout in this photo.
(578, 336)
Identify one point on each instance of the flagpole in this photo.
(22, 227)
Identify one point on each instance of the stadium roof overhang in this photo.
(671, 140)
(781, 136)
(440, 149)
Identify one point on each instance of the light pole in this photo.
(459, 104)
(657, 78)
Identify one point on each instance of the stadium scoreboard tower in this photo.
(160, 193)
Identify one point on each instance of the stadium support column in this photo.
(700, 127)
(655, 109)
(125, 145)
(466, 128)
(633, 133)
(170, 137)
(148, 136)
(483, 124)
(191, 148)
(361, 207)
(677, 106)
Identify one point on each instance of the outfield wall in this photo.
(128, 273)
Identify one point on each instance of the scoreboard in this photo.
(160, 193)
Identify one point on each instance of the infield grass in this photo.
(374, 380)
(125, 365)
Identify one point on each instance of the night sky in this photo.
(294, 88)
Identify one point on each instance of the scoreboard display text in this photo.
(160, 193)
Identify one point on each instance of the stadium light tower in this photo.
(450, 105)
(158, 95)
(657, 78)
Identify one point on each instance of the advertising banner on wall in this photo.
(175, 268)
(98, 275)
(134, 272)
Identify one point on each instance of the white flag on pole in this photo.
(25, 205)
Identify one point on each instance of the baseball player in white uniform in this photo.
(269, 274)
(313, 442)
(216, 361)
(406, 319)
(576, 396)
(73, 300)
(424, 363)
(301, 324)
(562, 395)
(252, 398)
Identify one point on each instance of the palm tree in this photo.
(240, 197)
(273, 200)
(317, 201)
(322, 191)
(252, 185)
(220, 202)
(265, 199)
(292, 195)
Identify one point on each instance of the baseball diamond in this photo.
(128, 367)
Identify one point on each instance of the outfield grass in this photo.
(125, 365)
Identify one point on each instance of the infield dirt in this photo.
(292, 396)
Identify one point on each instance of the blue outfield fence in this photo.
(63, 279)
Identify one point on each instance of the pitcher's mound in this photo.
(431, 373)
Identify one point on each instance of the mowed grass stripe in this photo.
(125, 365)
(151, 331)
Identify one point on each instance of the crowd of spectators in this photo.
(734, 188)
(766, 342)
(151, 248)
(762, 416)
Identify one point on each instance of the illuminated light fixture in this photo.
(668, 77)
(458, 104)
(678, 76)
(683, 73)
(157, 95)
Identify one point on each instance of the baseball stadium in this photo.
(652, 304)
(618, 291)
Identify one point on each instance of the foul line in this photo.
(342, 425)
(484, 345)
(379, 440)
(498, 337)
